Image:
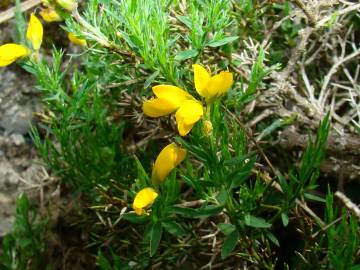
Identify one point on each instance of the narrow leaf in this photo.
(186, 55)
(273, 238)
(314, 197)
(174, 228)
(256, 222)
(221, 42)
(155, 237)
(285, 219)
(150, 79)
(229, 244)
(226, 228)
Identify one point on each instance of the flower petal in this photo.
(184, 128)
(158, 107)
(171, 93)
(191, 111)
(167, 160)
(219, 84)
(9, 53)
(187, 115)
(35, 32)
(144, 198)
(201, 78)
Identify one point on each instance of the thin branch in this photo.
(349, 9)
(332, 71)
(308, 13)
(9, 13)
(348, 203)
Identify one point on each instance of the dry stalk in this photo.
(10, 13)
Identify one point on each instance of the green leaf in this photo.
(355, 267)
(256, 222)
(150, 79)
(208, 211)
(226, 228)
(237, 161)
(230, 243)
(102, 262)
(186, 55)
(185, 20)
(134, 218)
(284, 185)
(183, 211)
(221, 42)
(273, 238)
(174, 228)
(203, 212)
(314, 197)
(285, 219)
(155, 237)
(245, 172)
(257, 73)
(141, 173)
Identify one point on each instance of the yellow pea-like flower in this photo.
(143, 199)
(50, 15)
(10, 52)
(35, 32)
(169, 157)
(211, 87)
(77, 41)
(169, 99)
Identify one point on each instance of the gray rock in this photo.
(16, 101)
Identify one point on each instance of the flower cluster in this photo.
(188, 110)
(11, 52)
(170, 99)
(49, 14)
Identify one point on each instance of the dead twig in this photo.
(348, 203)
(9, 13)
(308, 13)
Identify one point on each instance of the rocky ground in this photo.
(20, 168)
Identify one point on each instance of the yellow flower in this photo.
(77, 41)
(50, 15)
(9, 53)
(211, 87)
(35, 32)
(69, 5)
(188, 110)
(167, 160)
(170, 99)
(143, 199)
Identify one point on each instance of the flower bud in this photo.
(69, 5)
(35, 32)
(50, 15)
(77, 41)
(144, 199)
(169, 157)
(207, 127)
